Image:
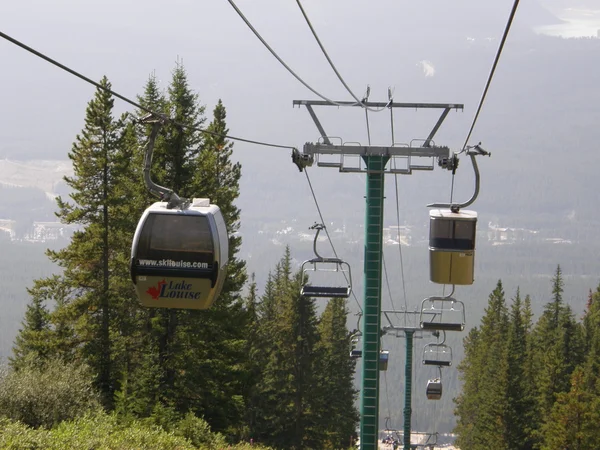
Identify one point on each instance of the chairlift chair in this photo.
(355, 353)
(327, 267)
(447, 314)
(435, 354)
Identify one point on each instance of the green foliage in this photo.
(303, 396)
(482, 405)
(43, 396)
(198, 432)
(31, 344)
(263, 368)
(334, 390)
(573, 421)
(105, 432)
(530, 387)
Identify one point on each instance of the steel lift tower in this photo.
(375, 162)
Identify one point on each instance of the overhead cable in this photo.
(281, 61)
(358, 101)
(131, 102)
(491, 75)
(391, 99)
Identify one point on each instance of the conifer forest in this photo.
(91, 368)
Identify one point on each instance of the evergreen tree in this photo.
(482, 406)
(31, 344)
(286, 411)
(84, 291)
(557, 347)
(181, 346)
(519, 398)
(334, 390)
(573, 421)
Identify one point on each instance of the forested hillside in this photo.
(531, 384)
(262, 367)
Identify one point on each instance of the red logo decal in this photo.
(155, 291)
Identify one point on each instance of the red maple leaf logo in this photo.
(155, 292)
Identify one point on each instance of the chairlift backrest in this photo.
(333, 276)
(442, 313)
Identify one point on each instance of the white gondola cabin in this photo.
(384, 357)
(434, 389)
(452, 246)
(179, 256)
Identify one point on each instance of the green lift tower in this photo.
(375, 162)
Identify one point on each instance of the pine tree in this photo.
(573, 422)
(520, 400)
(187, 346)
(557, 347)
(334, 390)
(286, 410)
(482, 406)
(83, 292)
(31, 344)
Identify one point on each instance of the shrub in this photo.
(43, 396)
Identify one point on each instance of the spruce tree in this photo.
(31, 344)
(519, 395)
(337, 416)
(286, 410)
(83, 293)
(482, 406)
(187, 346)
(557, 346)
(573, 421)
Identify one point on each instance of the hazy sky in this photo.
(428, 51)
(384, 43)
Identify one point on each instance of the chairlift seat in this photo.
(436, 362)
(355, 353)
(448, 314)
(325, 291)
(334, 270)
(442, 326)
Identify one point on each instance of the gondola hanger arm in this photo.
(165, 194)
(473, 151)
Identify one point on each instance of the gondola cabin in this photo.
(452, 246)
(384, 357)
(179, 256)
(434, 389)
